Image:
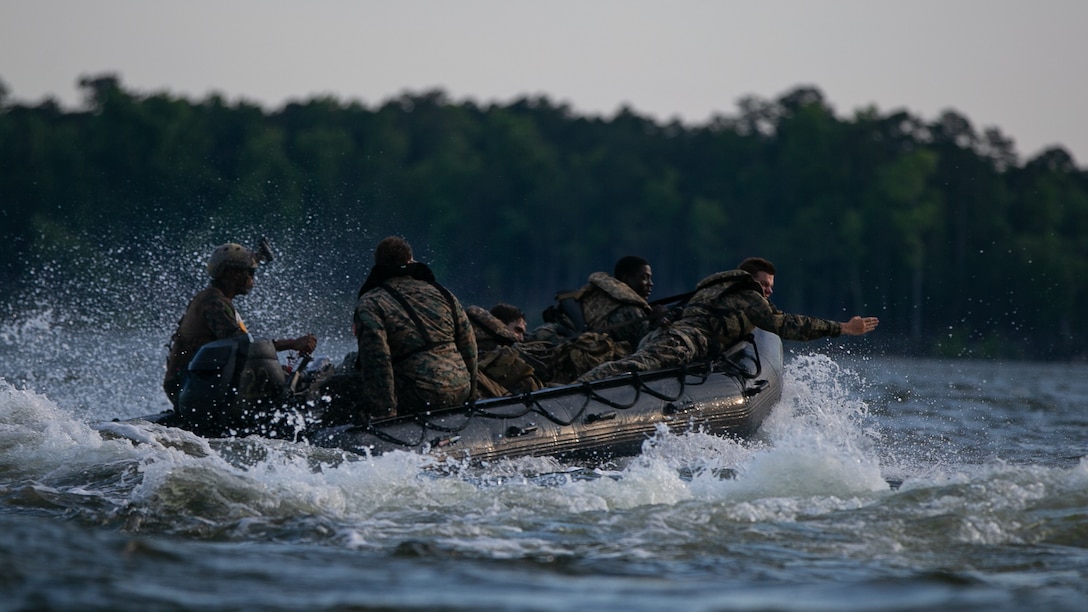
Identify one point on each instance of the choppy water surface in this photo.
(877, 484)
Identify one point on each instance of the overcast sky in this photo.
(1015, 65)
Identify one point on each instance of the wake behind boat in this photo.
(237, 387)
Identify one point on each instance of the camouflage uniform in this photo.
(616, 319)
(502, 368)
(210, 316)
(490, 332)
(416, 358)
(550, 334)
(726, 307)
(609, 305)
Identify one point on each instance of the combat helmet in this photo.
(233, 255)
(230, 255)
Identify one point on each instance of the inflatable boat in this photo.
(237, 387)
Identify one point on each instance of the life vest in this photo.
(503, 368)
(704, 312)
(714, 286)
(603, 295)
(491, 327)
(507, 367)
(591, 307)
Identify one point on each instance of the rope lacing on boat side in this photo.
(531, 404)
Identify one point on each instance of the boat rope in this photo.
(385, 437)
(736, 368)
(686, 375)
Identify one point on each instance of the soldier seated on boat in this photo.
(211, 314)
(503, 370)
(416, 347)
(512, 317)
(612, 304)
(725, 308)
(602, 321)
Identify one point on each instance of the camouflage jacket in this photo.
(727, 306)
(413, 355)
(210, 316)
(612, 307)
(490, 332)
(606, 305)
(502, 367)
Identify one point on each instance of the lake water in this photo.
(877, 484)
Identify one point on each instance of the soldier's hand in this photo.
(305, 344)
(860, 325)
(659, 315)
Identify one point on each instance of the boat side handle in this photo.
(677, 408)
(514, 431)
(757, 387)
(593, 417)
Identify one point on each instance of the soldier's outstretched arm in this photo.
(858, 326)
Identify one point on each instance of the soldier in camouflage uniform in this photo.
(211, 314)
(503, 370)
(612, 304)
(416, 346)
(726, 307)
(762, 272)
(512, 317)
(601, 322)
(490, 330)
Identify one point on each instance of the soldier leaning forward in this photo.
(726, 307)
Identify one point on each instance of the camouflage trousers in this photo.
(663, 348)
(413, 397)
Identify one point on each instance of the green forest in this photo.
(940, 229)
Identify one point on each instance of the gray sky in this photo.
(1014, 65)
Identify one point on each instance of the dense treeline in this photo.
(938, 229)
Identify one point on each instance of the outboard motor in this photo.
(232, 387)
